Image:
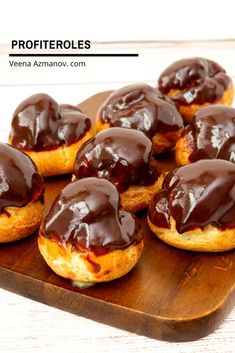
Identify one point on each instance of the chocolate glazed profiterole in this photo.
(143, 108)
(194, 82)
(21, 195)
(124, 157)
(195, 209)
(211, 135)
(49, 133)
(86, 237)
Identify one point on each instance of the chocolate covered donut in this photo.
(21, 194)
(211, 135)
(143, 108)
(124, 157)
(86, 236)
(49, 133)
(194, 82)
(195, 208)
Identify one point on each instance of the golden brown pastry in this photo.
(143, 108)
(21, 195)
(195, 208)
(86, 237)
(49, 133)
(124, 157)
(195, 82)
(211, 135)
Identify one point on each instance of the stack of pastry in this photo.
(87, 237)
(195, 208)
(21, 195)
(49, 133)
(91, 234)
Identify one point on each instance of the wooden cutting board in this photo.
(171, 294)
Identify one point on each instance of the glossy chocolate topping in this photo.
(199, 80)
(140, 107)
(20, 182)
(120, 155)
(196, 195)
(39, 123)
(213, 133)
(87, 214)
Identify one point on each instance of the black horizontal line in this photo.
(76, 55)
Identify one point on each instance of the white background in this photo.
(26, 326)
(107, 20)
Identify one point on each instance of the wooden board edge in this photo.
(114, 315)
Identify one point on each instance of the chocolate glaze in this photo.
(199, 80)
(140, 107)
(87, 214)
(213, 133)
(20, 182)
(196, 195)
(120, 155)
(39, 123)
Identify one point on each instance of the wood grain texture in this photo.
(171, 294)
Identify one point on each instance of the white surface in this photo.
(122, 20)
(27, 326)
(30, 327)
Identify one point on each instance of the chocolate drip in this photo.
(213, 133)
(39, 123)
(199, 80)
(20, 182)
(120, 155)
(87, 214)
(196, 195)
(141, 107)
